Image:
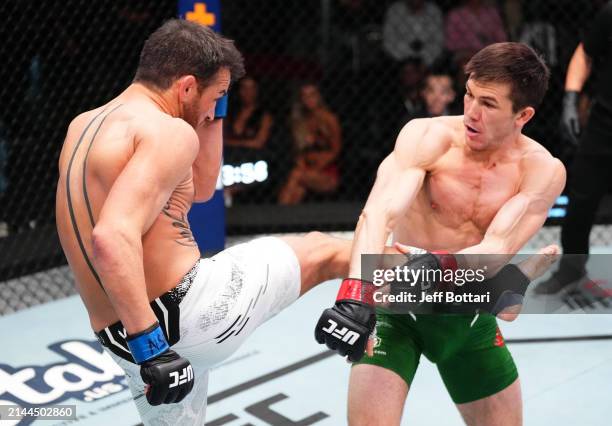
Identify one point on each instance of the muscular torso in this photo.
(459, 197)
(98, 146)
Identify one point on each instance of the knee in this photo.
(317, 237)
(326, 257)
(318, 242)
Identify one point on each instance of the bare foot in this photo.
(533, 267)
(536, 265)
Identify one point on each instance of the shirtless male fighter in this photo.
(129, 172)
(471, 184)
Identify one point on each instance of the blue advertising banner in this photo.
(207, 220)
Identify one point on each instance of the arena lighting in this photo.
(245, 173)
(559, 210)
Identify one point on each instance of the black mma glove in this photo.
(434, 263)
(346, 327)
(169, 376)
(570, 125)
(507, 288)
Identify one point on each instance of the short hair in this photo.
(516, 64)
(180, 47)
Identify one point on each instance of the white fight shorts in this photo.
(227, 297)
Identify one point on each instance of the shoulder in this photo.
(80, 121)
(329, 117)
(440, 127)
(424, 140)
(160, 128)
(164, 128)
(534, 156)
(539, 165)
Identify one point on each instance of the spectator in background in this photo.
(539, 33)
(247, 130)
(423, 95)
(473, 26)
(248, 125)
(469, 28)
(355, 36)
(438, 94)
(413, 28)
(405, 100)
(317, 141)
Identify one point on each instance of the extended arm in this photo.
(399, 179)
(347, 325)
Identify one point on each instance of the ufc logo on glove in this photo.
(343, 333)
(185, 376)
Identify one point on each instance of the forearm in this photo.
(208, 162)
(491, 254)
(371, 234)
(517, 221)
(391, 197)
(117, 258)
(578, 70)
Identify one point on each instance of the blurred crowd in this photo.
(377, 65)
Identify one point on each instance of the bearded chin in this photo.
(190, 114)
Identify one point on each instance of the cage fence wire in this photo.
(329, 85)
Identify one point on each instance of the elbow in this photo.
(203, 198)
(501, 246)
(110, 243)
(204, 193)
(204, 187)
(103, 242)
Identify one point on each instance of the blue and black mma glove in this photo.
(169, 376)
(347, 326)
(221, 107)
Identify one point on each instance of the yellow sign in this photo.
(200, 15)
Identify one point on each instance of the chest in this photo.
(463, 192)
(316, 127)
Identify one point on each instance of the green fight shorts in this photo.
(473, 361)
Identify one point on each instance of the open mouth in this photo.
(471, 130)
